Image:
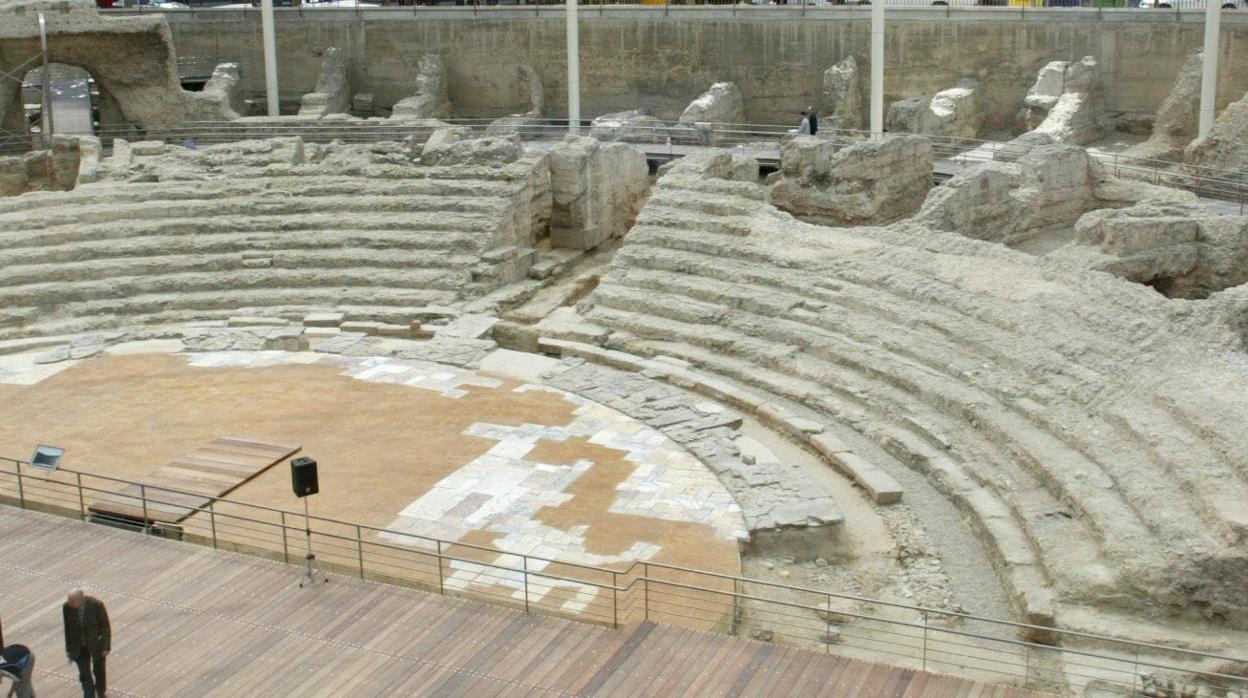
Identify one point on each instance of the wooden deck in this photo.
(209, 472)
(190, 621)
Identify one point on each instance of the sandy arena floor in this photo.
(412, 447)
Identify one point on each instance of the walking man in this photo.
(88, 639)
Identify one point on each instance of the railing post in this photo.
(827, 626)
(212, 518)
(82, 504)
(1135, 670)
(615, 600)
(21, 490)
(441, 584)
(285, 547)
(924, 640)
(524, 559)
(359, 541)
(736, 606)
(1027, 667)
(645, 569)
(143, 499)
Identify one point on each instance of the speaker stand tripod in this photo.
(311, 568)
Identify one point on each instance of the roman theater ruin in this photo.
(969, 396)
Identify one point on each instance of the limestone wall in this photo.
(634, 56)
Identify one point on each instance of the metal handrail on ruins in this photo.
(1163, 7)
(932, 639)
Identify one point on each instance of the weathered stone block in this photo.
(870, 182)
(431, 99)
(333, 90)
(841, 102)
(323, 319)
(721, 104)
(597, 190)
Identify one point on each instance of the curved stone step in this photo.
(56, 295)
(456, 247)
(482, 213)
(311, 260)
(478, 233)
(372, 303)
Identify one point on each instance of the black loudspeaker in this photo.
(303, 476)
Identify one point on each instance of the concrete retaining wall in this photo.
(661, 58)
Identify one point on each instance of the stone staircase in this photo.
(1093, 469)
(376, 239)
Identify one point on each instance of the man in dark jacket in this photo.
(88, 639)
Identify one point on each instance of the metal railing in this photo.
(670, 139)
(366, 5)
(934, 640)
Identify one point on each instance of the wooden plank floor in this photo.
(190, 621)
(211, 471)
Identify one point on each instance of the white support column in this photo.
(45, 82)
(574, 68)
(1209, 69)
(877, 68)
(270, 56)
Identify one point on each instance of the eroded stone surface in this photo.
(597, 190)
(431, 99)
(333, 91)
(634, 126)
(952, 113)
(1175, 125)
(42, 170)
(1226, 146)
(1065, 102)
(841, 104)
(864, 183)
(459, 146)
(721, 104)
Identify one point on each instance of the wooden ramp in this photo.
(178, 488)
(191, 622)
